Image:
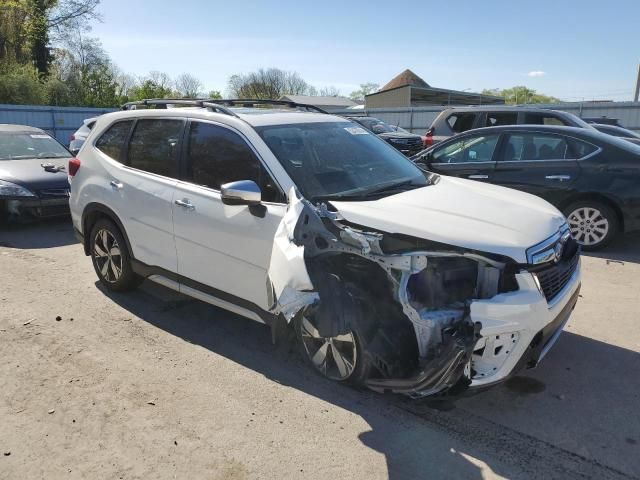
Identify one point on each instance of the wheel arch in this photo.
(611, 203)
(94, 212)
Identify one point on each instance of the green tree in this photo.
(215, 95)
(20, 84)
(365, 89)
(520, 95)
(149, 89)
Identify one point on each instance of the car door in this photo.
(225, 248)
(140, 188)
(541, 163)
(470, 156)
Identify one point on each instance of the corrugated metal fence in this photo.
(59, 122)
(418, 119)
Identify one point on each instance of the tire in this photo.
(593, 224)
(111, 258)
(344, 359)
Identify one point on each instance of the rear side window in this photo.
(542, 119)
(501, 118)
(154, 146)
(461, 122)
(535, 146)
(112, 141)
(217, 155)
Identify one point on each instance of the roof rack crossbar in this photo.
(219, 105)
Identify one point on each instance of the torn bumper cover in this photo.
(432, 318)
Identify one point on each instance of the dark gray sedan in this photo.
(33, 177)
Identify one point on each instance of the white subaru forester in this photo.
(391, 277)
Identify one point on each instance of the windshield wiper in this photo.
(392, 187)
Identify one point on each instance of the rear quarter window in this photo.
(112, 141)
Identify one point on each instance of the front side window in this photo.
(340, 160)
(501, 118)
(467, 150)
(536, 146)
(22, 145)
(112, 141)
(217, 155)
(154, 146)
(542, 119)
(461, 122)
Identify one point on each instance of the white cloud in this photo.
(536, 73)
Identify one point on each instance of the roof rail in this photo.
(218, 105)
(252, 102)
(164, 102)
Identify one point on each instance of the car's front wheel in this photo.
(340, 358)
(111, 258)
(593, 224)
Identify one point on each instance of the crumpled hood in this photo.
(463, 213)
(29, 173)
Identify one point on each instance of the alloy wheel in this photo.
(334, 357)
(588, 226)
(107, 255)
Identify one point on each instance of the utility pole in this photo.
(635, 98)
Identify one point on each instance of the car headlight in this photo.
(8, 189)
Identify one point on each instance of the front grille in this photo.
(554, 277)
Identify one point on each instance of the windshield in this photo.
(30, 145)
(340, 160)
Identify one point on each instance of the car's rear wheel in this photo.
(593, 224)
(111, 258)
(340, 358)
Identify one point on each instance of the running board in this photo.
(205, 297)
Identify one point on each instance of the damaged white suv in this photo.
(392, 277)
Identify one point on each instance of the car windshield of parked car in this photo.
(340, 160)
(15, 146)
(377, 126)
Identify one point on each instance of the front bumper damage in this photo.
(436, 319)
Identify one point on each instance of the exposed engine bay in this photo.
(408, 298)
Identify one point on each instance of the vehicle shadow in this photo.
(442, 444)
(625, 248)
(47, 233)
(412, 448)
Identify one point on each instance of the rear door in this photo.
(468, 157)
(226, 248)
(543, 164)
(143, 190)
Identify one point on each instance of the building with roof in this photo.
(326, 103)
(409, 90)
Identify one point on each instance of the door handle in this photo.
(185, 203)
(560, 178)
(478, 177)
(116, 184)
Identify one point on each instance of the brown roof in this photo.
(403, 79)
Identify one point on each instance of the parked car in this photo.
(390, 277)
(33, 176)
(590, 176)
(77, 139)
(407, 143)
(453, 121)
(620, 132)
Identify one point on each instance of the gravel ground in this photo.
(156, 385)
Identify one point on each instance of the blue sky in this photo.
(579, 49)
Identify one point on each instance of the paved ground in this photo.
(155, 385)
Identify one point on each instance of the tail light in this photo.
(74, 166)
(428, 138)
